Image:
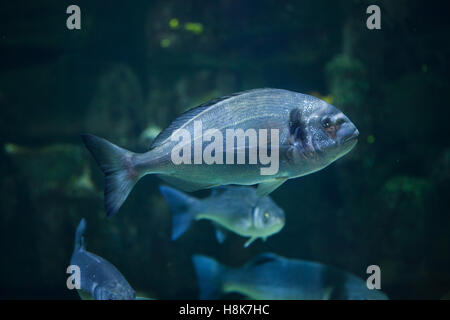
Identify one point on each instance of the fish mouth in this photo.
(352, 137)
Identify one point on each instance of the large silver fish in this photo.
(272, 277)
(234, 208)
(100, 280)
(311, 135)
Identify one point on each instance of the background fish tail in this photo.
(180, 204)
(209, 276)
(79, 239)
(117, 165)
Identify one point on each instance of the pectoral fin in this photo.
(250, 241)
(264, 188)
(220, 235)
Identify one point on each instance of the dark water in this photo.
(135, 65)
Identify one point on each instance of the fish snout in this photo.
(281, 221)
(347, 131)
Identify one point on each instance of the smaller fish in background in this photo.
(100, 280)
(234, 208)
(272, 277)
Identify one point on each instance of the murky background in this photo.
(135, 65)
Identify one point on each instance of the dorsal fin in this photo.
(263, 258)
(190, 114)
(221, 233)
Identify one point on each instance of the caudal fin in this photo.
(79, 239)
(209, 276)
(181, 206)
(117, 165)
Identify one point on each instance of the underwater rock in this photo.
(347, 82)
(148, 135)
(53, 169)
(404, 191)
(117, 108)
(441, 168)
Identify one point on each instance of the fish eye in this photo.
(266, 216)
(326, 123)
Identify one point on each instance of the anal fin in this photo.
(220, 235)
